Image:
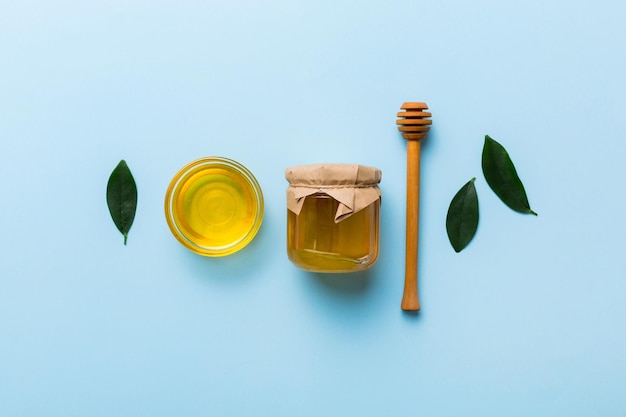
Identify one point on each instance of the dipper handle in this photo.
(413, 124)
(410, 298)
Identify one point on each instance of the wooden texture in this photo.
(413, 124)
(410, 298)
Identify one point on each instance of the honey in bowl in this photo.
(214, 206)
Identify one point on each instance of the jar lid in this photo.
(350, 175)
(353, 186)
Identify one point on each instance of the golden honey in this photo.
(333, 217)
(214, 206)
(316, 243)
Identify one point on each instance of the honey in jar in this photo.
(333, 217)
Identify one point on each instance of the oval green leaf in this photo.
(502, 177)
(122, 198)
(462, 219)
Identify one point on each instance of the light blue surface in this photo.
(529, 320)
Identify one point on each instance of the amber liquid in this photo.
(316, 243)
(216, 208)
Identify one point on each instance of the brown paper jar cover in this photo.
(353, 186)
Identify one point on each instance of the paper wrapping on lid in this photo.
(353, 186)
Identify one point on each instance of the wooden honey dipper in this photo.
(413, 124)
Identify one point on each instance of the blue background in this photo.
(528, 320)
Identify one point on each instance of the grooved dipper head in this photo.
(414, 122)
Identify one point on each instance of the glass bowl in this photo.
(214, 206)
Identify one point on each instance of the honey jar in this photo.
(333, 216)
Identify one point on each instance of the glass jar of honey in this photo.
(333, 217)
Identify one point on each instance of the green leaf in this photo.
(502, 177)
(462, 219)
(122, 198)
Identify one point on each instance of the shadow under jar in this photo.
(333, 217)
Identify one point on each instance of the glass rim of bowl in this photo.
(182, 177)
